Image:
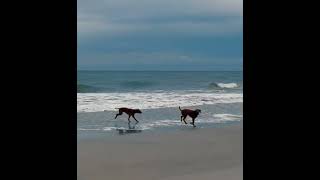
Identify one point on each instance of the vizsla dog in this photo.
(128, 111)
(188, 112)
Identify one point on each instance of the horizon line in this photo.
(163, 70)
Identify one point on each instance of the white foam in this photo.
(227, 117)
(85, 129)
(227, 85)
(94, 102)
(109, 128)
(216, 118)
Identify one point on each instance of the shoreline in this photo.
(203, 153)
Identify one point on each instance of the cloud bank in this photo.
(159, 31)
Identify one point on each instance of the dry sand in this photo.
(204, 154)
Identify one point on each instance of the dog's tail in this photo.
(180, 108)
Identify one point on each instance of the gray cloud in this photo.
(147, 8)
(109, 17)
(159, 33)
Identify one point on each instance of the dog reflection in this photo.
(132, 127)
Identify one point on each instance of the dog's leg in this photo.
(120, 113)
(129, 118)
(135, 118)
(181, 118)
(184, 119)
(193, 122)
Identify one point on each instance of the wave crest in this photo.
(93, 102)
(82, 88)
(223, 85)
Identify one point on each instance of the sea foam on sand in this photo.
(95, 102)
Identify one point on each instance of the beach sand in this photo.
(199, 153)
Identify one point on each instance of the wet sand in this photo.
(201, 153)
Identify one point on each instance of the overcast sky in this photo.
(160, 34)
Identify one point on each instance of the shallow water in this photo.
(158, 94)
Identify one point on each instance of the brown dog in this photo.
(128, 111)
(188, 112)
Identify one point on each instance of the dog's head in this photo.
(198, 111)
(138, 111)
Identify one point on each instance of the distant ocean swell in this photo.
(82, 88)
(95, 102)
(136, 85)
(130, 85)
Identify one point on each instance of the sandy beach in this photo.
(200, 153)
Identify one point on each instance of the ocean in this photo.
(158, 94)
